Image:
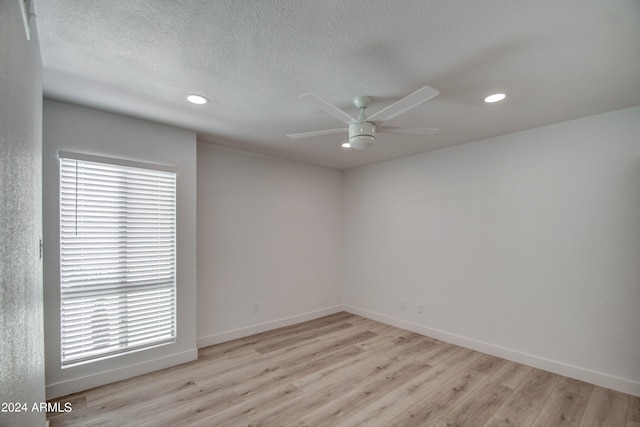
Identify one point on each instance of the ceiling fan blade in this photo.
(410, 131)
(328, 108)
(418, 97)
(316, 133)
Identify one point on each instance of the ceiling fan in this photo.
(362, 130)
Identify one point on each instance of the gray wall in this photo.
(269, 232)
(526, 246)
(77, 129)
(21, 351)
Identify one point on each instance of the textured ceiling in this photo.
(556, 60)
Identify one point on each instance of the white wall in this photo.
(269, 232)
(21, 335)
(526, 246)
(76, 129)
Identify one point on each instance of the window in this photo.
(117, 257)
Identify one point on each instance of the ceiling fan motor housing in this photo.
(362, 135)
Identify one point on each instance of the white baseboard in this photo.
(582, 374)
(266, 326)
(64, 388)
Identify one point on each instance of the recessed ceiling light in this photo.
(197, 99)
(346, 145)
(495, 97)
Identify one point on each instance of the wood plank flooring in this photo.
(344, 370)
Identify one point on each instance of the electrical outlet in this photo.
(403, 305)
(256, 307)
(420, 308)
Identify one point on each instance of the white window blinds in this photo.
(117, 258)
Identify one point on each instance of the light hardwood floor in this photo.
(344, 370)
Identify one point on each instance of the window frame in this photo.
(126, 290)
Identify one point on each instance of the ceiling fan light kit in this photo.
(362, 135)
(362, 131)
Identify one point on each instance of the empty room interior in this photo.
(320, 213)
